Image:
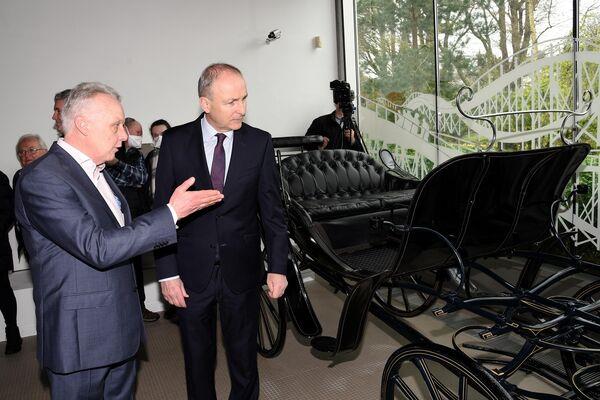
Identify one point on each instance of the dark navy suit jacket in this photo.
(87, 308)
(251, 201)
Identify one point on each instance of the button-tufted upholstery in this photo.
(339, 183)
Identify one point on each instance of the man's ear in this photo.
(205, 104)
(82, 124)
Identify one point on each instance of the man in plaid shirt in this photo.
(128, 170)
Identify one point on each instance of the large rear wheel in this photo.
(431, 371)
(401, 301)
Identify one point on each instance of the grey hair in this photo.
(29, 136)
(129, 121)
(79, 95)
(62, 95)
(210, 74)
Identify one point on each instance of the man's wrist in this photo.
(173, 213)
(169, 278)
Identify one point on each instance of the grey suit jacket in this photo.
(87, 308)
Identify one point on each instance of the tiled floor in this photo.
(295, 374)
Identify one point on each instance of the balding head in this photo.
(210, 75)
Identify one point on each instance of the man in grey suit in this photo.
(80, 238)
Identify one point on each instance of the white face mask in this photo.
(157, 141)
(135, 141)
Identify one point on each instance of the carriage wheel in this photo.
(589, 293)
(404, 302)
(272, 323)
(586, 383)
(574, 362)
(431, 371)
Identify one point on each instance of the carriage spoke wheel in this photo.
(408, 302)
(430, 371)
(574, 362)
(272, 323)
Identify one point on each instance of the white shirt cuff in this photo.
(173, 214)
(169, 278)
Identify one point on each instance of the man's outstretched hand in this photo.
(186, 202)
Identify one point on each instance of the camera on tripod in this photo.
(344, 96)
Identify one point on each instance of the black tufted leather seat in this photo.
(339, 183)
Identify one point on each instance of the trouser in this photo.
(8, 303)
(238, 314)
(114, 382)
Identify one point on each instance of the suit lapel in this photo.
(74, 170)
(237, 160)
(201, 169)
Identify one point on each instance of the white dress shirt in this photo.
(94, 172)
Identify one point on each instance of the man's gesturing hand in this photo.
(276, 284)
(186, 202)
(174, 292)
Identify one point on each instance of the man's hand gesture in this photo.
(186, 202)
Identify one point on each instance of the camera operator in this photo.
(339, 129)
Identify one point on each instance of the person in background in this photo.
(128, 170)
(330, 126)
(29, 148)
(156, 130)
(59, 103)
(8, 303)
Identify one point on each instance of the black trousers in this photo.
(114, 382)
(238, 314)
(8, 303)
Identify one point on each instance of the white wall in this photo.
(153, 51)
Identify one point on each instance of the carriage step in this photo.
(324, 344)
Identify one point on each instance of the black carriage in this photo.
(394, 245)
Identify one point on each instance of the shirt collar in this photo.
(92, 170)
(208, 132)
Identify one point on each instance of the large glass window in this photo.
(414, 56)
(396, 71)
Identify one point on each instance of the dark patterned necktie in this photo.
(217, 172)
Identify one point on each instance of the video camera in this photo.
(344, 96)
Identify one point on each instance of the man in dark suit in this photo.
(8, 303)
(217, 261)
(80, 238)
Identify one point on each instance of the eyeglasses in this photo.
(30, 151)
